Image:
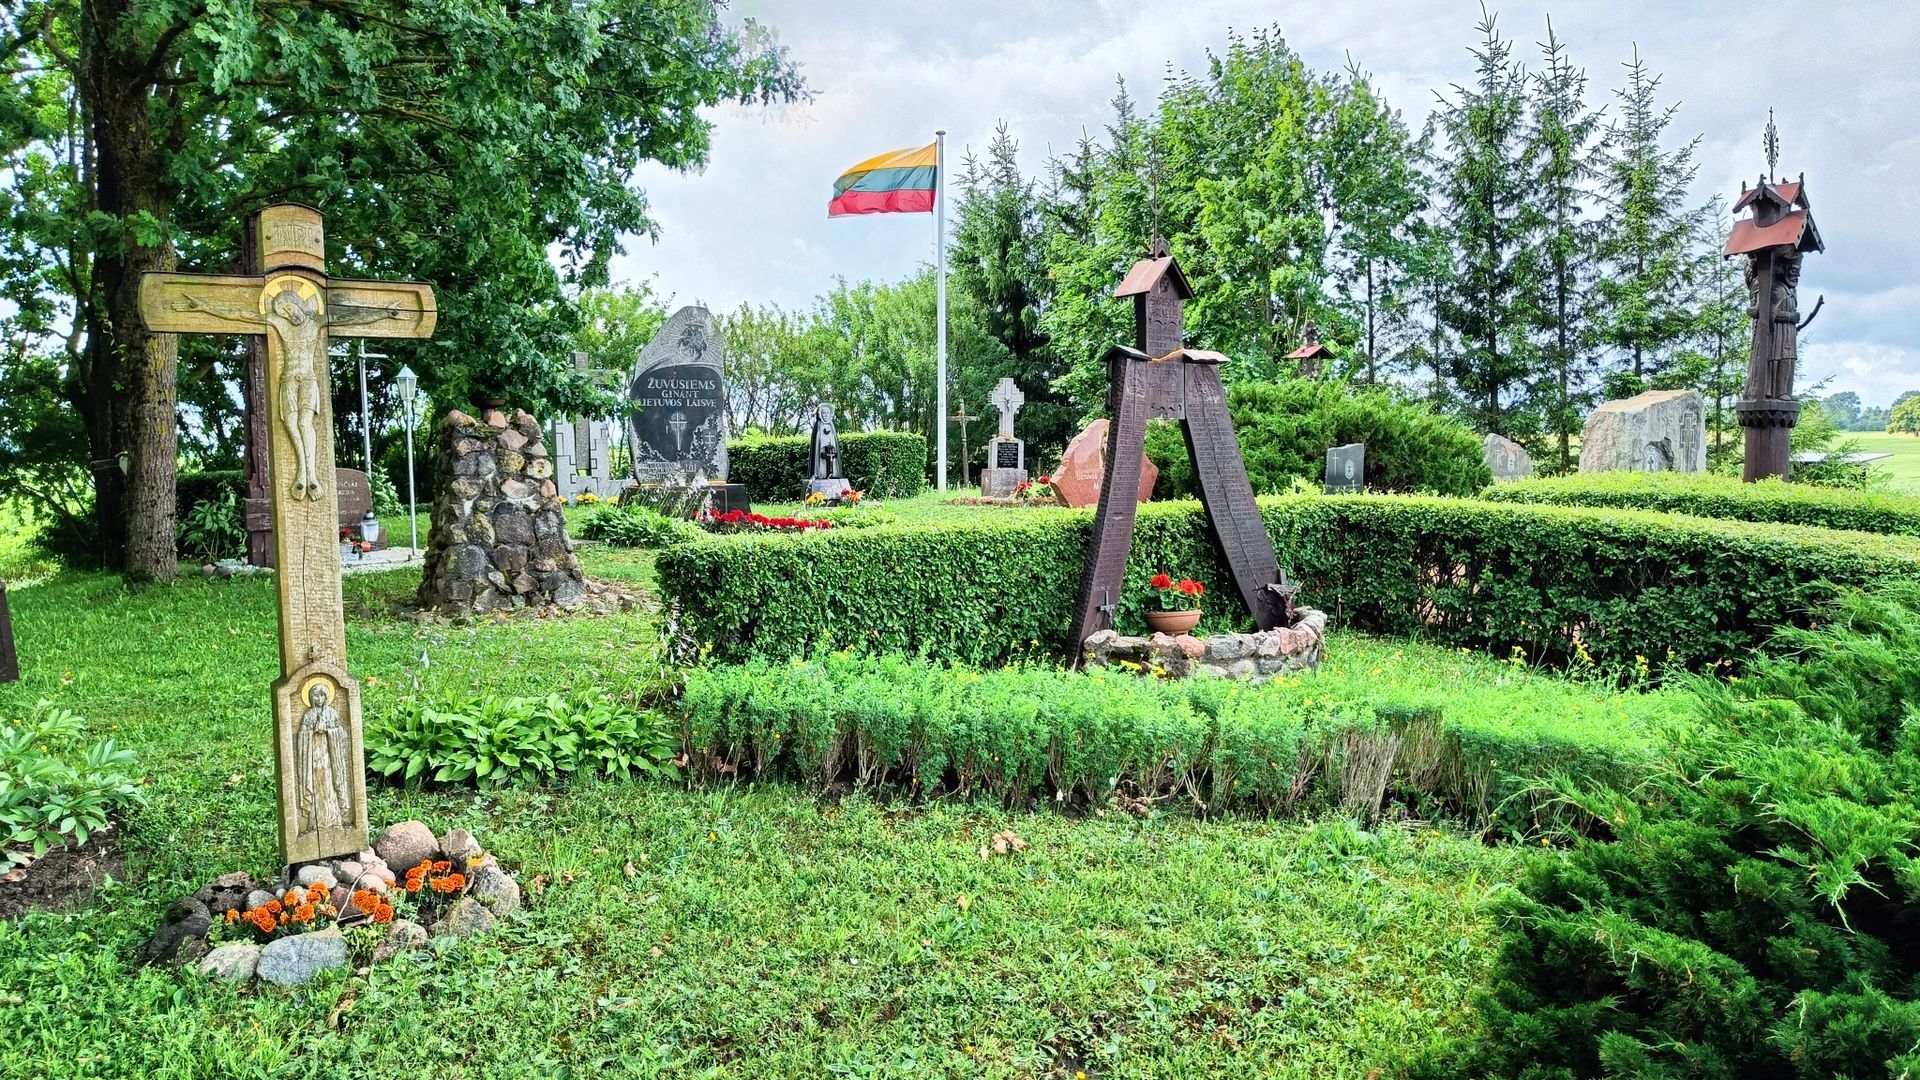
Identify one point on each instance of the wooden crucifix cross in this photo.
(296, 307)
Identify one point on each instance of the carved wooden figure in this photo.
(295, 307)
(1178, 384)
(1774, 237)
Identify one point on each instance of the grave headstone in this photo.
(1346, 468)
(1006, 456)
(1658, 431)
(1083, 467)
(1507, 460)
(321, 779)
(583, 450)
(826, 470)
(678, 423)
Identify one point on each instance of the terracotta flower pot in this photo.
(1173, 622)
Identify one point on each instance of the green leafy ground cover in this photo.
(795, 936)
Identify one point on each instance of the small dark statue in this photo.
(826, 446)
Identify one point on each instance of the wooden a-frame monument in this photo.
(1160, 379)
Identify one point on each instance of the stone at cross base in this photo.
(499, 538)
(1006, 467)
(1506, 459)
(1077, 481)
(296, 308)
(1658, 431)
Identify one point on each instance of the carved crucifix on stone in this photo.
(296, 307)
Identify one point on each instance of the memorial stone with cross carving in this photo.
(1006, 456)
(297, 307)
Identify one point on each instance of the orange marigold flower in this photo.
(383, 916)
(271, 907)
(304, 913)
(452, 883)
(442, 866)
(316, 891)
(233, 916)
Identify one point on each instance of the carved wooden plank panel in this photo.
(412, 304)
(1227, 494)
(1104, 577)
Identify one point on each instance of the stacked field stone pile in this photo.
(1255, 657)
(499, 540)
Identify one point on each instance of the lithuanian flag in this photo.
(896, 182)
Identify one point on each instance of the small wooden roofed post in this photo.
(1311, 352)
(1160, 291)
(1781, 216)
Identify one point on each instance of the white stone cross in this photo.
(1006, 398)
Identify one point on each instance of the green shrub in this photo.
(636, 525)
(1708, 495)
(1751, 910)
(44, 799)
(1415, 723)
(884, 464)
(1286, 428)
(495, 741)
(1631, 590)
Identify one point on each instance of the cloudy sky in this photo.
(752, 226)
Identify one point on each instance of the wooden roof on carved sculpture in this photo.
(1789, 194)
(1194, 356)
(1312, 350)
(1795, 227)
(1147, 273)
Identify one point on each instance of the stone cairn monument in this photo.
(499, 540)
(1006, 456)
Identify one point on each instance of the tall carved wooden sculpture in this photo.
(1161, 379)
(1774, 237)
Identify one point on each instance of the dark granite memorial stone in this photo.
(1346, 468)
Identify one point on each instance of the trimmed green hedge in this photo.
(1709, 495)
(1620, 589)
(884, 464)
(1432, 728)
(193, 488)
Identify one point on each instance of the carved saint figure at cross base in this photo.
(292, 308)
(322, 751)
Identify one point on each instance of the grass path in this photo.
(749, 931)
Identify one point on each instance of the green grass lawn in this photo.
(1902, 470)
(750, 931)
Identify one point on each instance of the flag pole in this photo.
(940, 305)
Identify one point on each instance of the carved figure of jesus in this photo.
(301, 328)
(322, 750)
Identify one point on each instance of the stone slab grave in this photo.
(1658, 431)
(1006, 455)
(1506, 459)
(1083, 467)
(677, 425)
(1346, 468)
(1255, 657)
(499, 538)
(320, 775)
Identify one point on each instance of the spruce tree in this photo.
(1492, 226)
(1563, 149)
(1644, 249)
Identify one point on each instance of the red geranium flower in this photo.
(1161, 581)
(1191, 587)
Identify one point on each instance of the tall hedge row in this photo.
(1626, 589)
(884, 464)
(1708, 495)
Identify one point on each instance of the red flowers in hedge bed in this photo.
(744, 521)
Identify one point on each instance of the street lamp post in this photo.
(407, 382)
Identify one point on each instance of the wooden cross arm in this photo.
(190, 303)
(381, 309)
